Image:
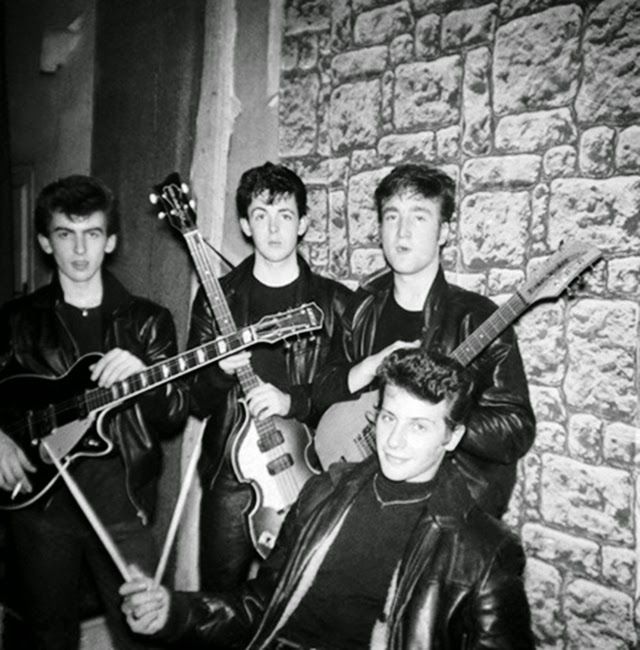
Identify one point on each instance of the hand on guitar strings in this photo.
(266, 400)
(13, 467)
(115, 365)
(234, 362)
(145, 606)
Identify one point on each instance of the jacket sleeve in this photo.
(209, 386)
(501, 427)
(499, 609)
(165, 409)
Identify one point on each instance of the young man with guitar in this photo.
(83, 310)
(413, 302)
(267, 390)
(387, 554)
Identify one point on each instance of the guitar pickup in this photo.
(271, 440)
(280, 464)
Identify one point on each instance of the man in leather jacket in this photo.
(389, 553)
(271, 203)
(84, 310)
(413, 301)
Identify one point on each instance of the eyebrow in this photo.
(422, 419)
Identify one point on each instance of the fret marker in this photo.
(222, 347)
(246, 336)
(125, 386)
(166, 372)
(143, 379)
(182, 364)
(201, 356)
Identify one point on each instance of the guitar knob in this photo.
(153, 198)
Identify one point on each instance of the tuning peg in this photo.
(184, 188)
(192, 204)
(162, 215)
(153, 198)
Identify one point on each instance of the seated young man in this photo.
(388, 553)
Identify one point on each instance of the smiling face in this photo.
(78, 245)
(411, 232)
(275, 225)
(412, 436)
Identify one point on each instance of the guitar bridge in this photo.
(280, 464)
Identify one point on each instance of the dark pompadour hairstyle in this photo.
(276, 180)
(432, 376)
(76, 195)
(426, 181)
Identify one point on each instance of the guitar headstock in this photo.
(299, 320)
(171, 197)
(559, 271)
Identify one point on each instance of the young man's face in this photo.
(412, 436)
(274, 226)
(78, 244)
(411, 232)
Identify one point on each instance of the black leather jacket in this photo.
(459, 584)
(501, 428)
(34, 339)
(214, 393)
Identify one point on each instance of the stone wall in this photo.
(534, 107)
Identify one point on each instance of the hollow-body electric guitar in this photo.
(346, 431)
(273, 454)
(68, 412)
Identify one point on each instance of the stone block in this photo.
(363, 219)
(621, 444)
(535, 131)
(628, 150)
(362, 159)
(307, 15)
(387, 101)
(595, 502)
(427, 95)
(427, 33)
(289, 53)
(547, 403)
(476, 282)
(542, 343)
(561, 549)
(610, 85)
(500, 172)
(321, 171)
(514, 8)
(544, 590)
(493, 229)
(605, 212)
(354, 115)
(619, 566)
(307, 51)
(532, 471)
(551, 436)
(298, 125)
(341, 35)
(590, 609)
(448, 143)
(365, 261)
(623, 276)
(338, 242)
(609, 323)
(318, 216)
(539, 212)
(536, 60)
(585, 437)
(408, 147)
(469, 27)
(504, 281)
(560, 161)
(401, 49)
(370, 60)
(383, 24)
(596, 151)
(476, 103)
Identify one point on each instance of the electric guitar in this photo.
(68, 412)
(346, 429)
(274, 454)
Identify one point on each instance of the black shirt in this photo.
(397, 324)
(350, 589)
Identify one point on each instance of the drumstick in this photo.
(177, 511)
(90, 514)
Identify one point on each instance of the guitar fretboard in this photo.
(481, 337)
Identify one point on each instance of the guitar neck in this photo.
(221, 312)
(97, 399)
(481, 337)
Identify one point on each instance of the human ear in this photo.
(303, 224)
(245, 226)
(443, 237)
(455, 436)
(45, 244)
(110, 246)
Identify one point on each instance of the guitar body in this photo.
(345, 431)
(26, 417)
(276, 473)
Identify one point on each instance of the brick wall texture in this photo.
(534, 107)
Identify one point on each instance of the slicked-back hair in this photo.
(76, 195)
(276, 180)
(423, 180)
(431, 376)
